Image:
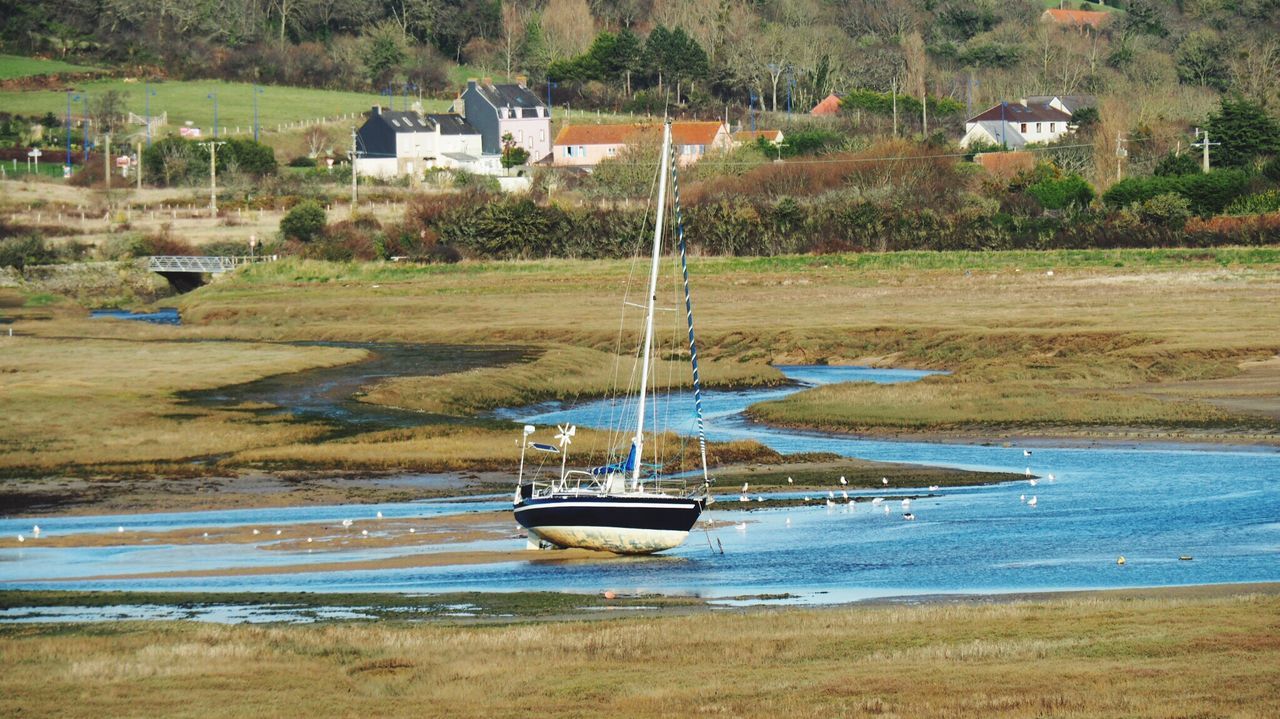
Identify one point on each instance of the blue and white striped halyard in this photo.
(688, 308)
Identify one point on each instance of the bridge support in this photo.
(186, 273)
(184, 282)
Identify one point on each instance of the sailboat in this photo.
(625, 506)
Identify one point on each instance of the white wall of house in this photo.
(1013, 134)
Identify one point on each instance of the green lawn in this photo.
(13, 66)
(189, 101)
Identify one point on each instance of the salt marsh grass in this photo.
(1093, 656)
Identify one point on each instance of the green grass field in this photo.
(189, 101)
(14, 66)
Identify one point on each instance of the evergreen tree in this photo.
(1246, 132)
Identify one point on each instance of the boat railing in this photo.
(585, 482)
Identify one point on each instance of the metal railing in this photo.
(201, 264)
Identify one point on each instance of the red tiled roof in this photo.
(829, 106)
(751, 135)
(1091, 18)
(695, 133)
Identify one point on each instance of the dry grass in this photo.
(560, 373)
(1093, 656)
(100, 401)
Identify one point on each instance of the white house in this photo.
(393, 144)
(1016, 124)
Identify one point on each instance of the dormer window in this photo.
(395, 122)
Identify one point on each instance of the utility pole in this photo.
(1121, 154)
(894, 91)
(353, 171)
(1204, 144)
(213, 175)
(138, 169)
(106, 161)
(924, 113)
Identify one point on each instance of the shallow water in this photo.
(1148, 503)
(161, 316)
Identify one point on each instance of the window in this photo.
(568, 151)
(582, 151)
(1024, 128)
(396, 123)
(612, 151)
(1038, 127)
(1052, 126)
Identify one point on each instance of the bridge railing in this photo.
(202, 263)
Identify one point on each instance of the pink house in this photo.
(587, 145)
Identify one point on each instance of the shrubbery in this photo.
(1207, 193)
(304, 222)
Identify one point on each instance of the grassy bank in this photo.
(1101, 655)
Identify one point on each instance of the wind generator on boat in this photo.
(623, 506)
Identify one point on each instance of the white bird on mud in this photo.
(933, 488)
(255, 532)
(843, 481)
(1028, 471)
(806, 498)
(790, 481)
(744, 498)
(1032, 502)
(830, 504)
(364, 532)
(21, 539)
(844, 494)
(346, 523)
(278, 532)
(119, 530)
(308, 540)
(412, 530)
(379, 515)
(884, 480)
(35, 531)
(759, 499)
(206, 535)
(744, 487)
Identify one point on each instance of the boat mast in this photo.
(653, 299)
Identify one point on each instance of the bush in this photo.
(1271, 170)
(1258, 204)
(19, 252)
(304, 222)
(1166, 210)
(302, 161)
(1061, 193)
(1207, 193)
(1174, 165)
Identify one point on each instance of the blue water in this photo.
(1148, 503)
(161, 316)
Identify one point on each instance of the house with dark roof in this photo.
(587, 145)
(496, 110)
(1067, 103)
(1016, 124)
(393, 144)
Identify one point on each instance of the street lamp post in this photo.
(550, 85)
(214, 96)
(84, 108)
(753, 111)
(66, 129)
(256, 92)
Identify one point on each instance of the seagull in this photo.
(933, 488)
(844, 494)
(1031, 502)
(412, 530)
(35, 530)
(884, 480)
(744, 487)
(308, 540)
(21, 539)
(1031, 482)
(788, 521)
(119, 530)
(347, 523)
(741, 527)
(1028, 471)
(379, 515)
(255, 532)
(851, 505)
(830, 504)
(886, 509)
(1026, 453)
(843, 481)
(277, 532)
(906, 503)
(364, 532)
(1022, 498)
(909, 517)
(790, 481)
(744, 498)
(830, 494)
(1051, 478)
(877, 500)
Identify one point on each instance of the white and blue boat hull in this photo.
(619, 524)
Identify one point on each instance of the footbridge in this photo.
(186, 272)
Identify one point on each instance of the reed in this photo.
(1101, 655)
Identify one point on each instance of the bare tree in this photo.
(318, 141)
(1255, 70)
(567, 28)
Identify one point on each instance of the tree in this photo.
(304, 222)
(512, 154)
(384, 51)
(1176, 165)
(1201, 60)
(1246, 132)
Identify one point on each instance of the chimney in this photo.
(377, 109)
(522, 81)
(488, 82)
(471, 83)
